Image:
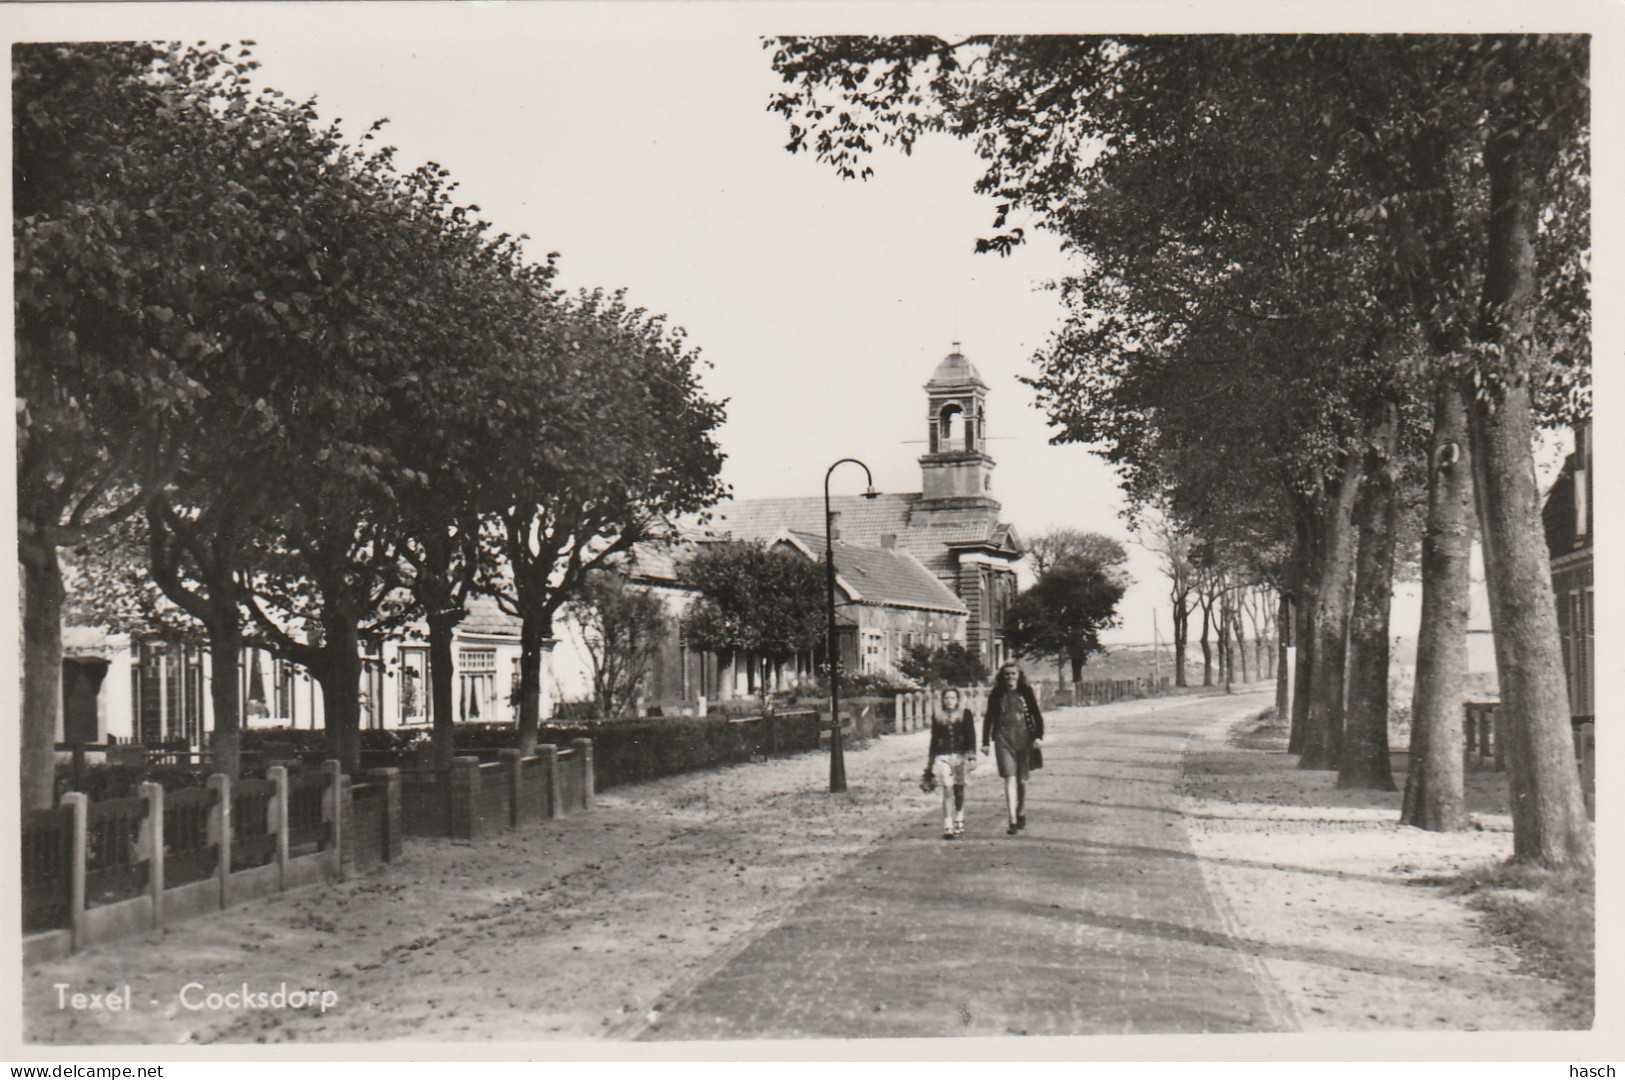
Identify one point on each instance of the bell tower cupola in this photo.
(956, 468)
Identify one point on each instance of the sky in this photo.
(639, 147)
(821, 305)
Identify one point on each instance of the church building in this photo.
(950, 527)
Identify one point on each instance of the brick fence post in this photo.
(278, 775)
(220, 830)
(464, 781)
(152, 839)
(514, 782)
(549, 754)
(390, 778)
(333, 813)
(81, 846)
(584, 763)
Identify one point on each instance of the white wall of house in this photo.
(394, 687)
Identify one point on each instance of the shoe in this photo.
(959, 829)
(1021, 821)
(1012, 830)
(949, 834)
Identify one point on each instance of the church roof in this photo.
(865, 523)
(956, 370)
(873, 575)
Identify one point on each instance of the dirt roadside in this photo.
(1343, 906)
(574, 929)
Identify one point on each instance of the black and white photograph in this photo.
(940, 531)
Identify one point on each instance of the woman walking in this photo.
(1012, 726)
(951, 758)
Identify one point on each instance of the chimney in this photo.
(889, 541)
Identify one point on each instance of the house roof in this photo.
(873, 575)
(486, 617)
(866, 523)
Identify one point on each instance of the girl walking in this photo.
(1012, 726)
(951, 758)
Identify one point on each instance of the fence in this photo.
(99, 871)
(914, 710)
(1484, 743)
(474, 799)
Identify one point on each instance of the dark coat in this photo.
(955, 737)
(1035, 719)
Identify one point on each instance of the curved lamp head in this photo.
(871, 493)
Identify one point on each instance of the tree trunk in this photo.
(1182, 633)
(1303, 675)
(339, 675)
(1549, 825)
(533, 637)
(1207, 646)
(1323, 730)
(1434, 796)
(1365, 762)
(225, 659)
(1283, 620)
(42, 668)
(1241, 641)
(442, 673)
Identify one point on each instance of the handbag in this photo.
(1035, 754)
(928, 780)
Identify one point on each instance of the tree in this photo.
(619, 438)
(1050, 549)
(1172, 547)
(951, 664)
(99, 147)
(1068, 125)
(623, 627)
(758, 601)
(1064, 612)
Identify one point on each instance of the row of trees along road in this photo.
(1314, 279)
(323, 396)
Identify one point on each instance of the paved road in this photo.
(1095, 921)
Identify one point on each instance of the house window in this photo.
(874, 650)
(477, 684)
(413, 702)
(1580, 629)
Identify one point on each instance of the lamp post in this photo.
(832, 652)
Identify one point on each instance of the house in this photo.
(149, 691)
(886, 600)
(1570, 524)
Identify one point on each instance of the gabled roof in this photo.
(485, 616)
(865, 523)
(877, 576)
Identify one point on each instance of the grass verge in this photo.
(1548, 918)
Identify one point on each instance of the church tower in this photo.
(956, 469)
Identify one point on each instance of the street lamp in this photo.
(832, 652)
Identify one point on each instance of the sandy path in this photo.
(563, 929)
(1331, 893)
(578, 928)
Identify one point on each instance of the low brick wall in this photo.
(473, 800)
